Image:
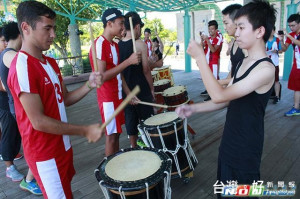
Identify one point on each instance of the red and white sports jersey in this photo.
(29, 75)
(108, 52)
(149, 47)
(213, 58)
(296, 62)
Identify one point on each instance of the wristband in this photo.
(88, 85)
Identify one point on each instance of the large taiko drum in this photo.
(168, 132)
(175, 95)
(135, 174)
(159, 87)
(165, 72)
(154, 75)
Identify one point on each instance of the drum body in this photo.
(135, 174)
(161, 85)
(168, 132)
(175, 95)
(165, 72)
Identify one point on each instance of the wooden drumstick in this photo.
(132, 34)
(153, 104)
(133, 93)
(93, 48)
(160, 105)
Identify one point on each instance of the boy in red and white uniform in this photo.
(212, 49)
(147, 40)
(110, 93)
(40, 98)
(294, 79)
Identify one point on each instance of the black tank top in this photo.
(6, 97)
(235, 58)
(134, 74)
(242, 142)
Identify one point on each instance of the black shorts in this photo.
(134, 114)
(277, 74)
(227, 173)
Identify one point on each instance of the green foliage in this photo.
(97, 30)
(86, 65)
(2, 21)
(61, 41)
(167, 36)
(67, 70)
(156, 25)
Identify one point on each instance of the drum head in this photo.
(134, 168)
(143, 163)
(175, 90)
(161, 118)
(162, 68)
(161, 82)
(154, 73)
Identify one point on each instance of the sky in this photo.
(169, 18)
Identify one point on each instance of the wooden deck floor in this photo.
(280, 161)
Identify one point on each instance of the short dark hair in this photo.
(10, 31)
(213, 23)
(1, 34)
(155, 40)
(231, 10)
(147, 30)
(259, 13)
(31, 11)
(136, 19)
(294, 17)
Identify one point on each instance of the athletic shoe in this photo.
(32, 187)
(140, 143)
(14, 174)
(207, 99)
(293, 112)
(19, 156)
(1, 157)
(204, 93)
(275, 100)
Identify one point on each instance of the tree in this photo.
(63, 19)
(2, 20)
(167, 36)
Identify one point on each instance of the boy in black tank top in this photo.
(136, 75)
(236, 53)
(246, 95)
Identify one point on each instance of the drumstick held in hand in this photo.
(133, 93)
(93, 50)
(132, 34)
(153, 104)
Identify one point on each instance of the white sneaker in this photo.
(13, 173)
